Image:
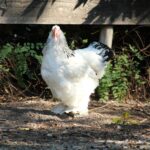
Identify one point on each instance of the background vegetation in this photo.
(127, 76)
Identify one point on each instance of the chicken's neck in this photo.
(68, 52)
(62, 51)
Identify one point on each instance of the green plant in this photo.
(125, 119)
(73, 43)
(16, 61)
(122, 76)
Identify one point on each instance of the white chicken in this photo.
(72, 75)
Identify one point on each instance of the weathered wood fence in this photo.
(101, 12)
(75, 11)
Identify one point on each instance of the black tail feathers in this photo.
(103, 50)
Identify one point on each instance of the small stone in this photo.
(49, 134)
(118, 127)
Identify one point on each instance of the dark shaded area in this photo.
(23, 33)
(39, 33)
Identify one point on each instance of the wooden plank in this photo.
(75, 12)
(106, 35)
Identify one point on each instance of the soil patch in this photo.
(29, 124)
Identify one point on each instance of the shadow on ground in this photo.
(31, 125)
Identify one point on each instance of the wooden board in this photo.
(75, 12)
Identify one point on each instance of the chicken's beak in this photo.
(55, 32)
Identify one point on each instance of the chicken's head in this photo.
(56, 32)
(57, 36)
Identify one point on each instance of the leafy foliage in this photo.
(123, 76)
(15, 61)
(125, 119)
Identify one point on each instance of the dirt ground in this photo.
(29, 124)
